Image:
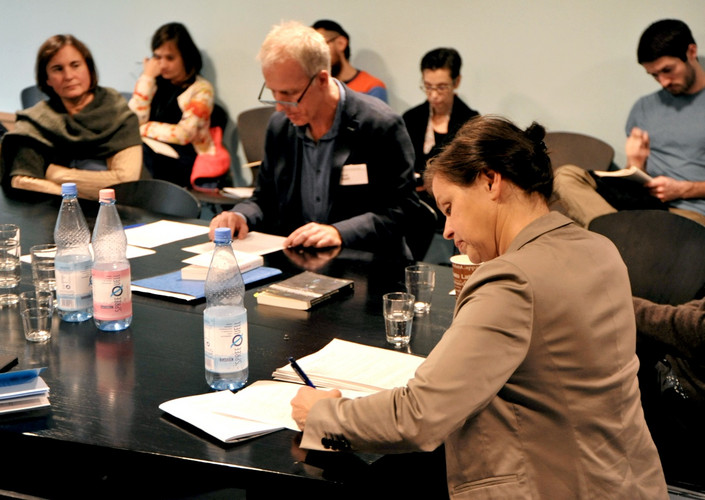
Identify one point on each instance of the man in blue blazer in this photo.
(338, 165)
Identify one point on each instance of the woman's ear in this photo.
(492, 181)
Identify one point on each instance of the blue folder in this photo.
(171, 284)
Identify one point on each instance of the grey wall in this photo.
(568, 64)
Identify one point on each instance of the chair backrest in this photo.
(31, 95)
(571, 148)
(663, 253)
(251, 126)
(421, 230)
(158, 196)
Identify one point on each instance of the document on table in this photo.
(162, 232)
(255, 242)
(348, 365)
(259, 408)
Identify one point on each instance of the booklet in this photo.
(303, 291)
(631, 173)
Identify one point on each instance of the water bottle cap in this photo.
(222, 234)
(69, 188)
(106, 195)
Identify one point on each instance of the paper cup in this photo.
(462, 269)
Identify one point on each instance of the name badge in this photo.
(354, 175)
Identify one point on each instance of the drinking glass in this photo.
(420, 282)
(43, 267)
(9, 264)
(398, 310)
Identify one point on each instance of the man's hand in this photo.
(314, 235)
(668, 189)
(305, 399)
(638, 148)
(236, 223)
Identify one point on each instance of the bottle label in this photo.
(112, 296)
(225, 339)
(73, 287)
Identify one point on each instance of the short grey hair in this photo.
(293, 40)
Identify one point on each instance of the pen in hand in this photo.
(300, 373)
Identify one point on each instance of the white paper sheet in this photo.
(255, 242)
(162, 232)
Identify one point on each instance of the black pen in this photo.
(301, 373)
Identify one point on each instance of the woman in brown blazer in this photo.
(533, 388)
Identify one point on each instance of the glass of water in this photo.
(9, 264)
(398, 310)
(43, 267)
(420, 282)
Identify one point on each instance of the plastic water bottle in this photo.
(225, 318)
(73, 260)
(112, 295)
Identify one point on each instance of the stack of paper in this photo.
(347, 365)
(23, 390)
(258, 409)
(198, 265)
(264, 406)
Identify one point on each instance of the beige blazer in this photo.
(532, 389)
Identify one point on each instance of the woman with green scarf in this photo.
(83, 133)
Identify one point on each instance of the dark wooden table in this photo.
(104, 435)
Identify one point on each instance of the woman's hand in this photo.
(151, 67)
(305, 399)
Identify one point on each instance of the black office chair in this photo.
(252, 126)
(158, 196)
(422, 227)
(663, 253)
(664, 256)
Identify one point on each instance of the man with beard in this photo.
(665, 137)
(339, 44)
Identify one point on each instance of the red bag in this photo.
(209, 168)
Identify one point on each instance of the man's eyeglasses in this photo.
(291, 104)
(441, 89)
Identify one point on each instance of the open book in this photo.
(631, 173)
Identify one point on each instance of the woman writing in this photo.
(533, 388)
(173, 104)
(83, 133)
